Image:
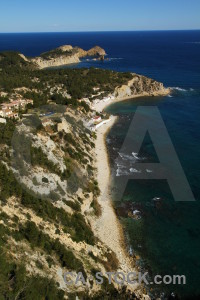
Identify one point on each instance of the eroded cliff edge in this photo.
(65, 55)
(140, 86)
(137, 85)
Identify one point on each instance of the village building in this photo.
(15, 105)
(9, 110)
(2, 121)
(8, 113)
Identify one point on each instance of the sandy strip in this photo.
(107, 227)
(101, 105)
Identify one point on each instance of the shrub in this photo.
(45, 180)
(37, 238)
(97, 207)
(73, 204)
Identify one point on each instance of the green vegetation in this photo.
(49, 87)
(96, 206)
(73, 204)
(14, 282)
(58, 52)
(108, 292)
(73, 224)
(6, 132)
(38, 239)
(79, 83)
(93, 187)
(39, 158)
(111, 264)
(39, 99)
(4, 99)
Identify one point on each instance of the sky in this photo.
(93, 15)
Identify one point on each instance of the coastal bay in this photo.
(157, 235)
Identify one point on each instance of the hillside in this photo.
(48, 193)
(48, 179)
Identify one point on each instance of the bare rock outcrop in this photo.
(140, 86)
(65, 48)
(96, 51)
(65, 55)
(61, 60)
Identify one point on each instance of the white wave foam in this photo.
(120, 165)
(149, 171)
(108, 140)
(125, 163)
(132, 170)
(117, 173)
(135, 155)
(136, 212)
(130, 251)
(182, 90)
(192, 42)
(156, 198)
(115, 58)
(179, 89)
(121, 172)
(128, 157)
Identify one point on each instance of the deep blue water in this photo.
(168, 238)
(163, 55)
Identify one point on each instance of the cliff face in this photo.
(140, 86)
(96, 51)
(50, 196)
(65, 55)
(55, 62)
(60, 199)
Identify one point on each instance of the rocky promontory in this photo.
(140, 86)
(65, 55)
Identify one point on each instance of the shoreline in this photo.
(108, 227)
(100, 106)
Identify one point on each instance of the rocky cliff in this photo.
(65, 55)
(140, 86)
(50, 211)
(55, 62)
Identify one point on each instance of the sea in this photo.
(165, 235)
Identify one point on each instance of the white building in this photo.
(8, 113)
(8, 110)
(2, 121)
(15, 105)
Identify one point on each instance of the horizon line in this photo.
(93, 31)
